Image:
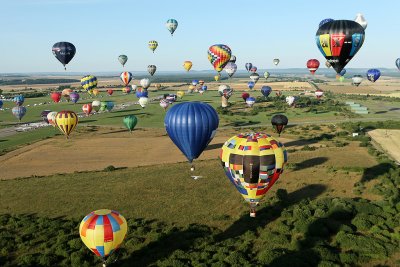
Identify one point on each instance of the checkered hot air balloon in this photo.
(253, 162)
(219, 55)
(103, 232)
(66, 121)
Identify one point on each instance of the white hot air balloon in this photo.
(230, 68)
(143, 101)
(276, 61)
(290, 100)
(319, 93)
(357, 79)
(133, 87)
(361, 20)
(254, 77)
(164, 104)
(145, 83)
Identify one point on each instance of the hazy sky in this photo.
(257, 31)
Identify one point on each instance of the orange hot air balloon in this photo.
(219, 55)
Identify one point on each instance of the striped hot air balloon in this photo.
(219, 55)
(126, 77)
(103, 232)
(66, 121)
(89, 82)
(87, 109)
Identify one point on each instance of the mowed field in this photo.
(388, 140)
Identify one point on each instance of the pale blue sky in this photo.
(257, 31)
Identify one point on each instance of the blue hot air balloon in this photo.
(74, 97)
(18, 112)
(191, 126)
(19, 100)
(1, 103)
(204, 88)
(140, 92)
(325, 21)
(251, 85)
(266, 90)
(248, 66)
(398, 63)
(373, 75)
(342, 72)
(195, 82)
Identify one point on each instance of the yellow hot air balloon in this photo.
(187, 65)
(95, 92)
(66, 121)
(180, 94)
(153, 45)
(103, 232)
(216, 77)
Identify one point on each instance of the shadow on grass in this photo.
(308, 163)
(242, 123)
(375, 171)
(214, 146)
(310, 141)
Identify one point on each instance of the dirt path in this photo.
(388, 140)
(95, 151)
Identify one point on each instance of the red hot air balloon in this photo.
(110, 91)
(87, 109)
(312, 65)
(245, 96)
(56, 96)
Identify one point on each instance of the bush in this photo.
(109, 168)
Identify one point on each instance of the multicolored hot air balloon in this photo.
(187, 65)
(219, 55)
(87, 109)
(103, 232)
(232, 59)
(195, 82)
(140, 92)
(254, 77)
(126, 77)
(19, 100)
(225, 91)
(74, 97)
(145, 83)
(51, 117)
(324, 21)
(56, 96)
(126, 89)
(230, 68)
(153, 45)
(356, 80)
(191, 126)
(312, 65)
(171, 25)
(65, 93)
(253, 162)
(250, 101)
(44, 114)
(373, 75)
(123, 59)
(319, 93)
(151, 69)
(89, 82)
(266, 75)
(276, 61)
(248, 66)
(266, 90)
(279, 122)
(18, 112)
(251, 85)
(164, 104)
(130, 122)
(66, 121)
(339, 41)
(64, 52)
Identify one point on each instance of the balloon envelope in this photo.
(151, 69)
(248, 66)
(266, 90)
(87, 109)
(324, 21)
(219, 55)
(64, 52)
(279, 122)
(191, 126)
(251, 85)
(66, 121)
(130, 122)
(171, 25)
(126, 77)
(373, 75)
(357, 79)
(145, 83)
(312, 65)
(19, 100)
(89, 82)
(153, 45)
(18, 112)
(122, 59)
(187, 65)
(56, 96)
(74, 97)
(250, 101)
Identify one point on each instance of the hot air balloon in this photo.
(151, 69)
(251, 85)
(145, 83)
(110, 105)
(103, 105)
(373, 75)
(204, 88)
(253, 162)
(65, 93)
(74, 97)
(191, 126)
(254, 77)
(64, 52)
(357, 79)
(225, 91)
(56, 96)
(143, 101)
(171, 25)
(312, 65)
(327, 64)
(341, 78)
(195, 82)
(217, 77)
(95, 92)
(248, 66)
(266, 75)
(134, 87)
(51, 117)
(187, 65)
(153, 45)
(342, 72)
(232, 59)
(276, 61)
(140, 92)
(250, 101)
(219, 55)
(96, 105)
(126, 89)
(126, 77)
(110, 91)
(157, 86)
(253, 69)
(278, 93)
(164, 104)
(325, 21)
(87, 109)
(103, 232)
(122, 59)
(44, 114)
(201, 82)
(319, 93)
(279, 122)
(19, 100)
(130, 122)
(171, 98)
(290, 100)
(180, 94)
(398, 63)
(66, 121)
(266, 90)
(361, 20)
(89, 82)
(230, 68)
(339, 41)
(245, 96)
(18, 112)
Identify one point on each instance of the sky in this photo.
(257, 31)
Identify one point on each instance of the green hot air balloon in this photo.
(130, 122)
(122, 59)
(266, 75)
